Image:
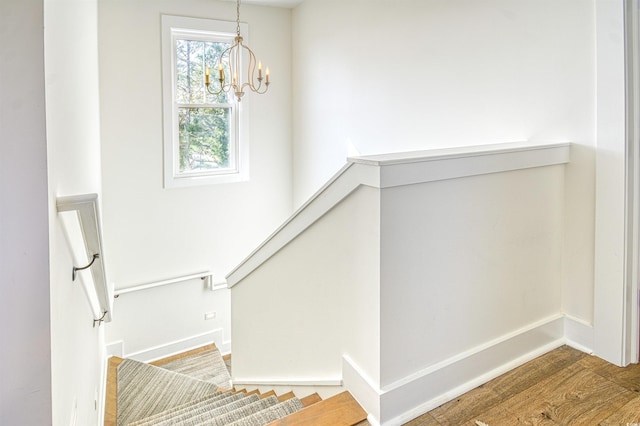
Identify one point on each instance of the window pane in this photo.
(192, 58)
(204, 139)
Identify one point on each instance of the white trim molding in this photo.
(414, 395)
(614, 305)
(179, 346)
(632, 167)
(578, 334)
(280, 381)
(386, 171)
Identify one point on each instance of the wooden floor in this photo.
(563, 387)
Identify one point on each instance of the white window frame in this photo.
(177, 27)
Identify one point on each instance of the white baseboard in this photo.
(178, 346)
(288, 382)
(115, 349)
(224, 347)
(103, 386)
(406, 399)
(362, 387)
(578, 334)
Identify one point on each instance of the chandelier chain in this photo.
(238, 18)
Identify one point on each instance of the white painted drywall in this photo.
(466, 261)
(73, 137)
(385, 76)
(25, 370)
(150, 318)
(314, 301)
(425, 284)
(153, 233)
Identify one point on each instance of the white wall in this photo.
(432, 277)
(147, 319)
(390, 76)
(73, 138)
(466, 261)
(153, 233)
(314, 301)
(25, 370)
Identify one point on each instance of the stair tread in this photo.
(268, 394)
(341, 409)
(240, 413)
(194, 405)
(166, 360)
(275, 412)
(137, 400)
(286, 396)
(310, 399)
(209, 403)
(204, 364)
(206, 415)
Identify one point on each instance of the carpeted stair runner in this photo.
(207, 366)
(144, 390)
(208, 403)
(276, 412)
(190, 391)
(198, 415)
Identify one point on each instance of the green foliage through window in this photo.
(204, 120)
(204, 138)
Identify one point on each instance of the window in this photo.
(203, 132)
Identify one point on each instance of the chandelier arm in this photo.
(251, 70)
(234, 54)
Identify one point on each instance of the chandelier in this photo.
(236, 82)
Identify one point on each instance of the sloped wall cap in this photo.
(403, 168)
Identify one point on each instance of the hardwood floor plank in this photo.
(574, 395)
(523, 377)
(627, 377)
(424, 420)
(627, 415)
(499, 415)
(466, 406)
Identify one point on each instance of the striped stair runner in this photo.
(193, 389)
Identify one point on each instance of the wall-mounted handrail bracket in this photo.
(76, 269)
(85, 240)
(100, 320)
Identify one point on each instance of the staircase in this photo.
(194, 388)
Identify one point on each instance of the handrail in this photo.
(206, 276)
(86, 206)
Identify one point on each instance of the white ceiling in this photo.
(277, 3)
